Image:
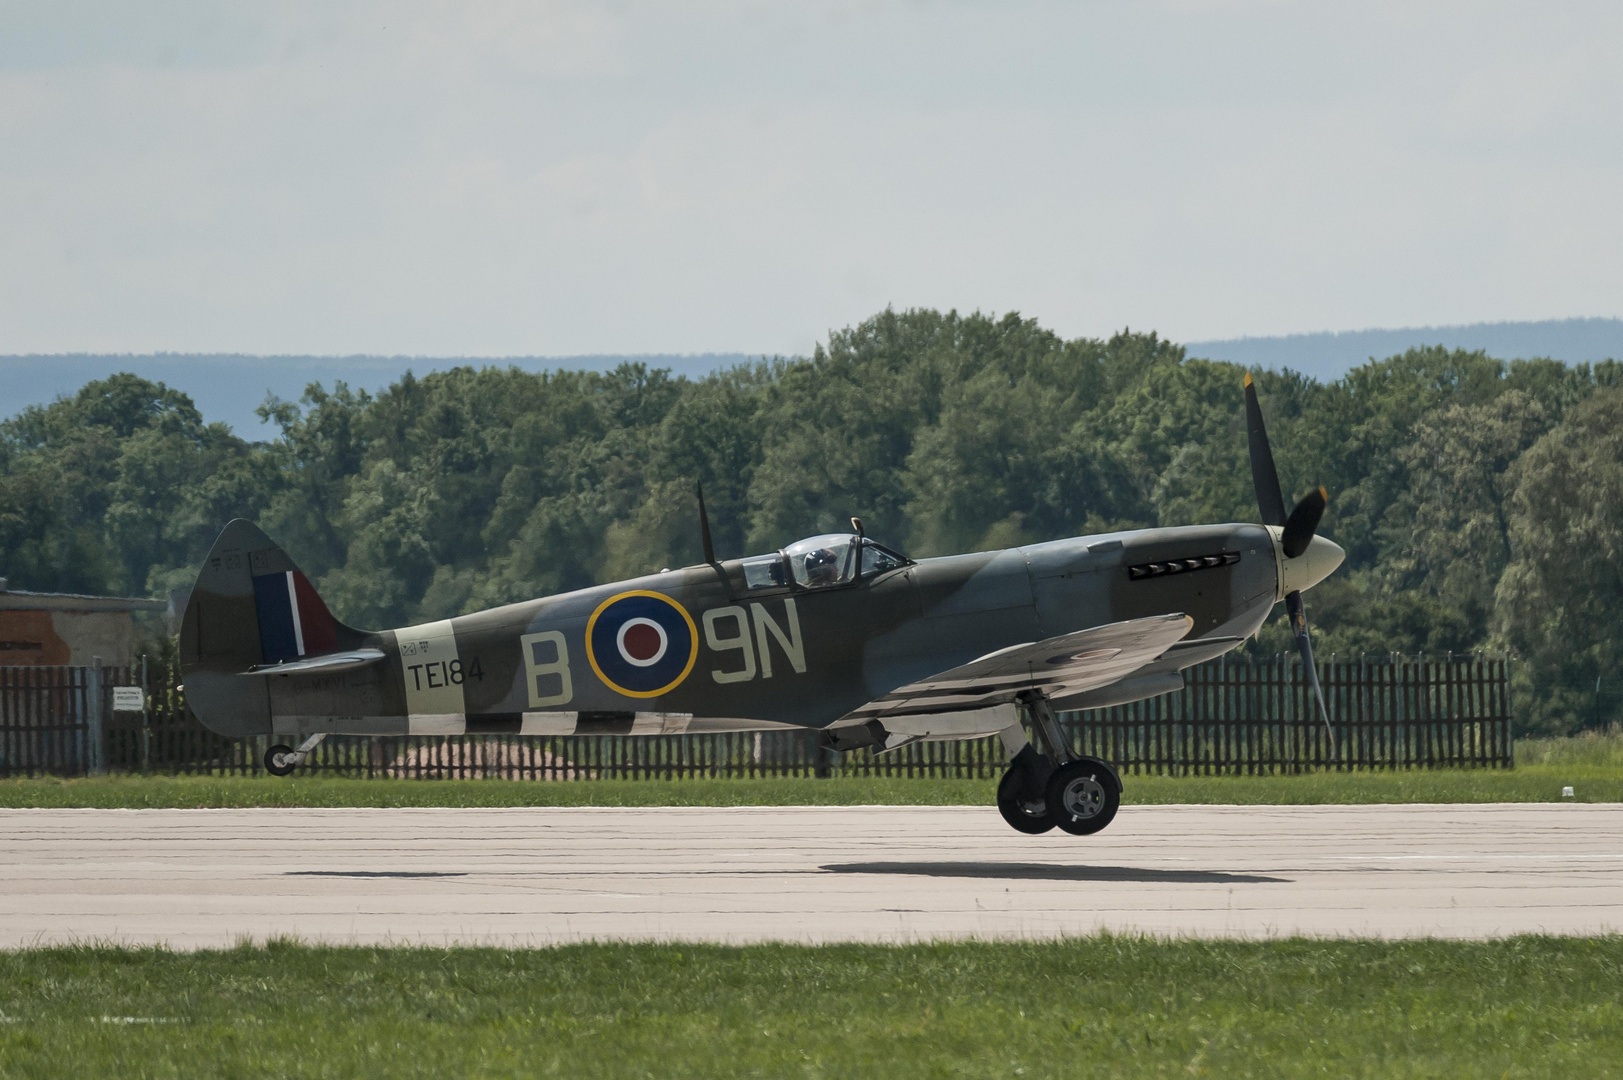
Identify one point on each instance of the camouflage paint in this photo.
(778, 655)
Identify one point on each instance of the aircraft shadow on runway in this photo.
(1049, 872)
(369, 873)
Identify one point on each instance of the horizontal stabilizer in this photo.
(327, 664)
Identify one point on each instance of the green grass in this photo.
(1534, 783)
(1602, 749)
(1099, 1006)
(1528, 783)
(1590, 764)
(138, 792)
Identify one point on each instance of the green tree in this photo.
(1456, 542)
(114, 488)
(1466, 491)
(1560, 601)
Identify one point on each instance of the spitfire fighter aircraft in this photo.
(835, 633)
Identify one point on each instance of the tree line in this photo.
(1480, 502)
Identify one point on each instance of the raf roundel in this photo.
(641, 644)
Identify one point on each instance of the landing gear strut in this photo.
(1053, 787)
(282, 759)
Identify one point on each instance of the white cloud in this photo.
(518, 178)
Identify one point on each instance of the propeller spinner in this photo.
(1305, 557)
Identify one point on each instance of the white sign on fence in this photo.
(128, 699)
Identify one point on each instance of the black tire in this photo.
(1019, 809)
(276, 762)
(1084, 796)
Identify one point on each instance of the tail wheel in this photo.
(1018, 807)
(1084, 796)
(279, 760)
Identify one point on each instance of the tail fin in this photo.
(251, 605)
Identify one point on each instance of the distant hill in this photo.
(1330, 355)
(231, 386)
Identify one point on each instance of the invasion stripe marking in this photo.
(549, 723)
(436, 724)
(525, 723)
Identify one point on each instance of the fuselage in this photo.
(714, 641)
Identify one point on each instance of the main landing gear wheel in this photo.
(279, 760)
(1083, 796)
(1019, 806)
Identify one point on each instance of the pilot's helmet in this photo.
(822, 567)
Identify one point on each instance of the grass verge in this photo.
(1531, 783)
(1099, 1006)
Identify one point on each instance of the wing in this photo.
(1191, 652)
(1059, 666)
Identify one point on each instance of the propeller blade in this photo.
(1263, 474)
(1304, 522)
(1298, 530)
(704, 527)
(1298, 616)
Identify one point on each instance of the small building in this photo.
(59, 629)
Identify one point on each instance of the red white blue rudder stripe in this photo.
(293, 620)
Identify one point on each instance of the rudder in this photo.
(293, 620)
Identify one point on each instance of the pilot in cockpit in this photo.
(822, 568)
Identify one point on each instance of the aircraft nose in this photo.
(1312, 566)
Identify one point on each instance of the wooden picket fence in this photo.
(1233, 716)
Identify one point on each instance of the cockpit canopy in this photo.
(820, 562)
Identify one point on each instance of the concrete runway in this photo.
(197, 878)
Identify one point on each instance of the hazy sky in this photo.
(498, 179)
